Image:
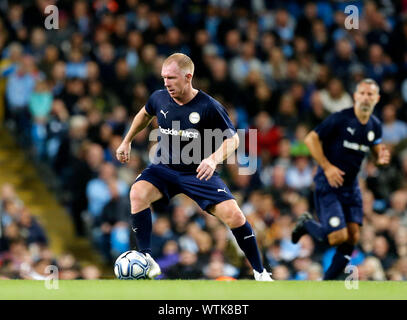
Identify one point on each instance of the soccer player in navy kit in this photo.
(184, 113)
(339, 145)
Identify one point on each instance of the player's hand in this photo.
(334, 176)
(123, 152)
(383, 156)
(206, 169)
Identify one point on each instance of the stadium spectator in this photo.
(287, 116)
(401, 267)
(99, 190)
(378, 65)
(281, 272)
(245, 63)
(300, 267)
(381, 250)
(186, 268)
(39, 106)
(221, 84)
(371, 269)
(398, 205)
(218, 267)
(334, 98)
(19, 87)
(394, 130)
(299, 175)
(314, 272)
(215, 270)
(341, 59)
(268, 136)
(31, 229)
(90, 272)
(114, 224)
(169, 257)
(161, 234)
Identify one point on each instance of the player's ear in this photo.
(188, 76)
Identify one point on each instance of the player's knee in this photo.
(338, 237)
(234, 219)
(137, 199)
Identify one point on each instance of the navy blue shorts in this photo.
(337, 207)
(172, 182)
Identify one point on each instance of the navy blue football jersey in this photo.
(345, 142)
(188, 133)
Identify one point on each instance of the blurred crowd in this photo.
(277, 66)
(24, 247)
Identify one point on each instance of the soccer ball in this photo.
(131, 265)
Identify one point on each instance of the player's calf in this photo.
(229, 212)
(142, 226)
(353, 233)
(246, 240)
(339, 261)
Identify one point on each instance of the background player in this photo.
(182, 110)
(339, 145)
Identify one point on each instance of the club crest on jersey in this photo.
(334, 221)
(194, 117)
(370, 136)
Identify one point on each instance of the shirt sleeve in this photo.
(378, 134)
(328, 127)
(218, 118)
(150, 105)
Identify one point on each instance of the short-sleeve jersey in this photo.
(188, 133)
(345, 142)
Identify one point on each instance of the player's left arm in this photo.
(382, 154)
(208, 166)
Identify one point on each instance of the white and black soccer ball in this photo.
(131, 265)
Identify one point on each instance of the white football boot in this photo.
(155, 269)
(263, 276)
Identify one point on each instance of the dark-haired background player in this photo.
(185, 112)
(339, 145)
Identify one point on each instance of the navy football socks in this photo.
(339, 261)
(247, 242)
(141, 224)
(315, 229)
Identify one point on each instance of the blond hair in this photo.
(183, 61)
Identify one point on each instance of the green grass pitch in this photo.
(200, 290)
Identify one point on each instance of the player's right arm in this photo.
(333, 174)
(140, 121)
